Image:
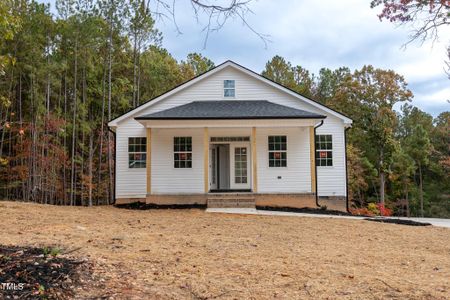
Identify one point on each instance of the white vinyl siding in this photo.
(130, 182)
(166, 179)
(295, 177)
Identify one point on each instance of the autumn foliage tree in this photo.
(427, 16)
(382, 167)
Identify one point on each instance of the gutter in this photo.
(346, 170)
(115, 159)
(315, 164)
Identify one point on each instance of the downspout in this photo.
(115, 164)
(315, 164)
(346, 171)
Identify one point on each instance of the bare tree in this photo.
(216, 15)
(427, 17)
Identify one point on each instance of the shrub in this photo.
(361, 212)
(55, 251)
(384, 211)
(373, 208)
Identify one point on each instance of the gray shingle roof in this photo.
(231, 109)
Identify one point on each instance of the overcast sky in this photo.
(317, 34)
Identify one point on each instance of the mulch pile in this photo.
(35, 273)
(398, 221)
(145, 206)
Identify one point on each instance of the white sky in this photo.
(317, 34)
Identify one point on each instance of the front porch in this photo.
(231, 153)
(231, 164)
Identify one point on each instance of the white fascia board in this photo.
(265, 123)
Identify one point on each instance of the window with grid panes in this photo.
(182, 152)
(229, 89)
(137, 152)
(324, 150)
(277, 151)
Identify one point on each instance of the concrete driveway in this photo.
(252, 211)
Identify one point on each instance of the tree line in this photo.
(394, 156)
(64, 76)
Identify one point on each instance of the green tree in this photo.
(198, 63)
(143, 35)
(295, 78)
(418, 146)
(403, 167)
(329, 84)
(361, 173)
(280, 71)
(369, 96)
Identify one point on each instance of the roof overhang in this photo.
(229, 123)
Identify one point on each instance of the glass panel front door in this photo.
(240, 164)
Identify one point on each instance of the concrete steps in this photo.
(231, 200)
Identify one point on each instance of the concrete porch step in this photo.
(230, 200)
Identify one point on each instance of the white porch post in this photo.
(254, 162)
(148, 162)
(205, 159)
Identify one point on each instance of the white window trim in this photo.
(326, 150)
(228, 88)
(136, 152)
(269, 151)
(175, 152)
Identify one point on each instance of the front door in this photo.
(239, 166)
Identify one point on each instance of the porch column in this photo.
(205, 159)
(254, 162)
(312, 148)
(148, 162)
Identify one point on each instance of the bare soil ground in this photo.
(191, 254)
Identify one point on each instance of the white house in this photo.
(231, 137)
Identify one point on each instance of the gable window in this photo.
(277, 151)
(324, 150)
(229, 89)
(137, 152)
(182, 149)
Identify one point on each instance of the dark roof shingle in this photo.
(230, 109)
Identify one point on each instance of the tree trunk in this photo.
(65, 139)
(134, 69)
(72, 174)
(110, 190)
(408, 212)
(382, 177)
(91, 155)
(382, 187)
(421, 189)
(100, 152)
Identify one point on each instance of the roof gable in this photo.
(235, 66)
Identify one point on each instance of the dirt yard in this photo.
(191, 254)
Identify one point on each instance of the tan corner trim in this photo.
(312, 159)
(254, 162)
(148, 162)
(205, 159)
